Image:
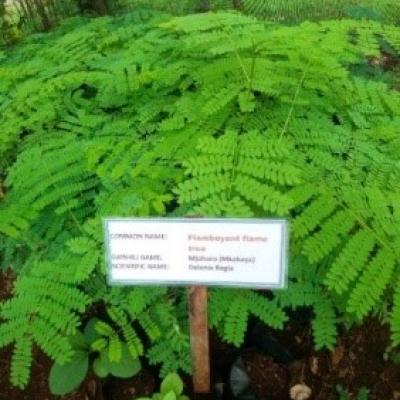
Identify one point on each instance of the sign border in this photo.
(283, 281)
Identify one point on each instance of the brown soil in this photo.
(386, 61)
(38, 388)
(268, 380)
(6, 284)
(128, 389)
(357, 361)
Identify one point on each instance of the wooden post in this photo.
(198, 319)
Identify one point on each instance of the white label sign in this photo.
(220, 252)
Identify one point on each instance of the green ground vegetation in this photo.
(217, 114)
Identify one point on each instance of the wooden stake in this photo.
(198, 319)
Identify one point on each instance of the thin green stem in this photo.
(235, 162)
(240, 61)
(296, 95)
(72, 215)
(253, 66)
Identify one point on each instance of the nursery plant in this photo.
(210, 114)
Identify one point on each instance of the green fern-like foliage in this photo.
(291, 11)
(314, 156)
(234, 171)
(295, 10)
(174, 8)
(230, 310)
(213, 114)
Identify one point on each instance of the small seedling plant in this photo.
(101, 343)
(171, 389)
